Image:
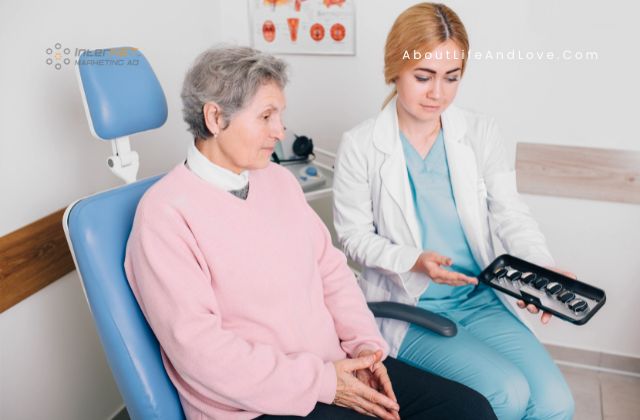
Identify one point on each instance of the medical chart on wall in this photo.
(303, 26)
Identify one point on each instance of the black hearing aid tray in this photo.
(564, 297)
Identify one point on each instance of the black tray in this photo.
(594, 297)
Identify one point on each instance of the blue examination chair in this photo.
(122, 99)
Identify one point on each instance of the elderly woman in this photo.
(255, 311)
(420, 190)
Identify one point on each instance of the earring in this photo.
(215, 135)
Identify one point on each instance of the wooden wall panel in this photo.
(578, 172)
(31, 258)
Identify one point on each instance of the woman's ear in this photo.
(212, 117)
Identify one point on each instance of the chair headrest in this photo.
(121, 93)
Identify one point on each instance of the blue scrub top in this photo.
(437, 215)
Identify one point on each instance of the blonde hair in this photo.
(422, 28)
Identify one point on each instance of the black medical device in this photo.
(311, 176)
(302, 148)
(562, 296)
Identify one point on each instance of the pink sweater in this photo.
(249, 300)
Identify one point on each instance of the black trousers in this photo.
(421, 395)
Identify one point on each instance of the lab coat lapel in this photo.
(464, 180)
(393, 170)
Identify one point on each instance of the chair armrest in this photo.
(414, 315)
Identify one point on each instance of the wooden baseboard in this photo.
(595, 360)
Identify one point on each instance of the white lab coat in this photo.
(376, 221)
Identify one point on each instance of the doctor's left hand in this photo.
(546, 316)
(431, 263)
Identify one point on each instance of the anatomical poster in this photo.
(303, 26)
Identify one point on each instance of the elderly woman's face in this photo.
(254, 130)
(427, 87)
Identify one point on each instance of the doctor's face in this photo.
(426, 87)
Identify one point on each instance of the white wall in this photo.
(51, 365)
(51, 361)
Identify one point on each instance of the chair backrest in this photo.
(98, 228)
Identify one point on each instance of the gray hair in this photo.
(230, 77)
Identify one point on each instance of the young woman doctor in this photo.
(419, 190)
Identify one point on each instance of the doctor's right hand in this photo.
(431, 264)
(353, 394)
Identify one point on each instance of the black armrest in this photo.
(415, 315)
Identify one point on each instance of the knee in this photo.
(473, 405)
(463, 402)
(509, 395)
(553, 402)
